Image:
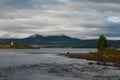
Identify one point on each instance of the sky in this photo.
(83, 19)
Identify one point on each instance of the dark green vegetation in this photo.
(58, 41)
(102, 43)
(17, 46)
(104, 54)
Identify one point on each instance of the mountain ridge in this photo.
(58, 41)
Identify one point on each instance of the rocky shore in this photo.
(107, 61)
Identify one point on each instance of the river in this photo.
(47, 64)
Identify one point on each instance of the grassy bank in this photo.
(108, 55)
(18, 46)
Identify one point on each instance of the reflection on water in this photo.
(49, 50)
(45, 64)
(13, 57)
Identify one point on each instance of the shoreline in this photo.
(100, 60)
(18, 46)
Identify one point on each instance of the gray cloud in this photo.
(98, 1)
(77, 18)
(106, 1)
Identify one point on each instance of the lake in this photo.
(47, 64)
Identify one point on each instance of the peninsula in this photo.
(14, 45)
(105, 55)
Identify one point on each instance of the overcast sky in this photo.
(84, 19)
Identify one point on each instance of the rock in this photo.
(105, 68)
(101, 63)
(90, 63)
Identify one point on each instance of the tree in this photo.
(101, 43)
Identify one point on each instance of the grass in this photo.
(17, 46)
(107, 53)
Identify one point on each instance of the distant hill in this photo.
(58, 41)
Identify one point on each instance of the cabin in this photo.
(13, 43)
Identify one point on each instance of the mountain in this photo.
(58, 41)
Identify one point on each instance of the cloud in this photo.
(105, 1)
(114, 19)
(83, 19)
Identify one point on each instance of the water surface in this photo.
(46, 64)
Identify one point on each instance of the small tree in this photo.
(101, 43)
